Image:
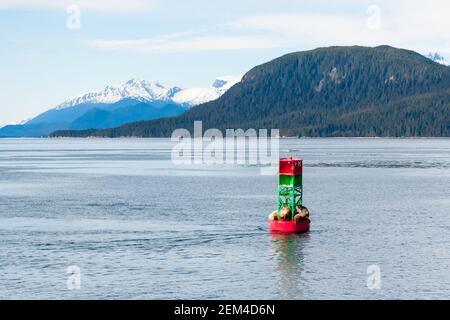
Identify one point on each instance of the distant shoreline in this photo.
(143, 138)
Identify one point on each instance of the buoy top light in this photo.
(291, 166)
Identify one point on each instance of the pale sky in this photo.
(46, 59)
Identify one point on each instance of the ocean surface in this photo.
(137, 226)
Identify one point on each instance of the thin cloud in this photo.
(91, 5)
(307, 28)
(184, 43)
(409, 24)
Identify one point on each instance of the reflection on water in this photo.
(289, 263)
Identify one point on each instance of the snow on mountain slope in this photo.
(6, 123)
(153, 91)
(194, 96)
(136, 89)
(436, 57)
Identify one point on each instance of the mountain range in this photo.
(135, 100)
(334, 91)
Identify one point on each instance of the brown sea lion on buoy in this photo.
(273, 216)
(285, 213)
(302, 215)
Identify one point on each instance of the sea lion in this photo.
(303, 214)
(273, 216)
(285, 213)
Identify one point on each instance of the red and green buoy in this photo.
(290, 194)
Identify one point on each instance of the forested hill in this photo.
(335, 91)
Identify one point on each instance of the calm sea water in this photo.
(139, 227)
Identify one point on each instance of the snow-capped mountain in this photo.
(147, 91)
(436, 57)
(135, 100)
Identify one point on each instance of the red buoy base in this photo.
(289, 226)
